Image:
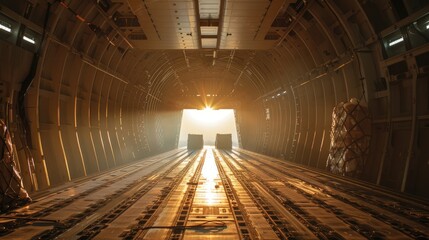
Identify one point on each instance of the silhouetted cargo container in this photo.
(223, 141)
(195, 141)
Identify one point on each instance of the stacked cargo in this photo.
(195, 141)
(350, 138)
(12, 192)
(223, 141)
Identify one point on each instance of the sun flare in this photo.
(208, 115)
(207, 122)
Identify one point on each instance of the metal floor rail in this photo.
(215, 194)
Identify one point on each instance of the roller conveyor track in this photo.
(409, 216)
(283, 224)
(409, 207)
(293, 204)
(214, 194)
(66, 207)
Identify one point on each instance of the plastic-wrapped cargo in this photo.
(195, 141)
(223, 141)
(12, 192)
(350, 138)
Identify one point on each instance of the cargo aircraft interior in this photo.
(328, 102)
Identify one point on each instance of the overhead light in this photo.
(208, 42)
(5, 28)
(401, 39)
(427, 26)
(284, 92)
(30, 40)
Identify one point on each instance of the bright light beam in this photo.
(208, 115)
(208, 122)
(5, 28)
(29, 40)
(396, 41)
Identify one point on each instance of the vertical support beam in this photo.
(297, 131)
(412, 66)
(388, 125)
(325, 125)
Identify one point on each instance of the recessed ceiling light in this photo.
(394, 42)
(5, 28)
(30, 40)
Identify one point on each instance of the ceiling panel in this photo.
(248, 7)
(208, 42)
(173, 21)
(169, 23)
(156, 6)
(209, 9)
(209, 31)
(175, 25)
(170, 18)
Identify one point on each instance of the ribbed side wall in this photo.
(86, 112)
(94, 105)
(332, 55)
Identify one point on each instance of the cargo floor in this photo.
(212, 194)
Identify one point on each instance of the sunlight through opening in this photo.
(210, 176)
(208, 122)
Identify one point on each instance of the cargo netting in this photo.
(12, 192)
(350, 138)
